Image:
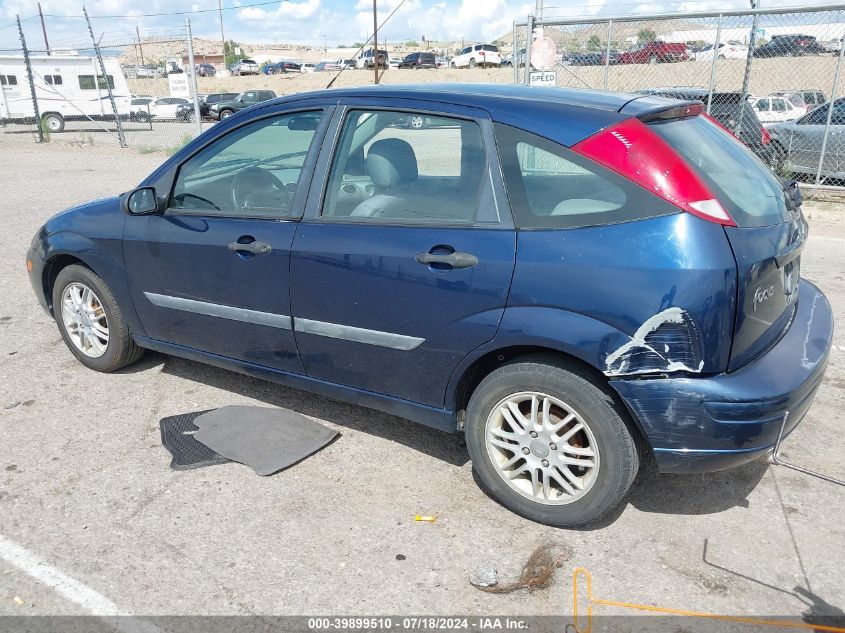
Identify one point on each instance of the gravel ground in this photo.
(85, 483)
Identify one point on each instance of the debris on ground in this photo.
(486, 575)
(17, 600)
(425, 519)
(537, 573)
(400, 557)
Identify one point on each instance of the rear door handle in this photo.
(256, 248)
(455, 260)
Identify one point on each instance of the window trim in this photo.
(331, 146)
(302, 186)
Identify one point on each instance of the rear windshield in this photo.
(745, 186)
(488, 47)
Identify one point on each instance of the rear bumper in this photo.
(722, 421)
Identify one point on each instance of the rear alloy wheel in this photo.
(142, 117)
(190, 116)
(54, 121)
(550, 444)
(90, 321)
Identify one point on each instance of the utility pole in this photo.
(538, 9)
(140, 47)
(375, 41)
(222, 37)
(120, 136)
(43, 29)
(31, 83)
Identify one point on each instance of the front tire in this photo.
(90, 321)
(225, 114)
(550, 443)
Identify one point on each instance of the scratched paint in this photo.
(667, 342)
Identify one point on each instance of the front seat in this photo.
(392, 166)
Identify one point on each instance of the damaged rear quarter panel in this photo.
(665, 287)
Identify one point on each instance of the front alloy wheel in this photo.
(85, 320)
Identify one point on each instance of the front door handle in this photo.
(456, 259)
(256, 248)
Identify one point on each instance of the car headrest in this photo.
(391, 161)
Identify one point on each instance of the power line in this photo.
(156, 15)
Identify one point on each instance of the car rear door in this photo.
(403, 261)
(768, 237)
(211, 272)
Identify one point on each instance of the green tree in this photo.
(645, 36)
(594, 43)
(231, 55)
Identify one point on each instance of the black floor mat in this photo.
(177, 437)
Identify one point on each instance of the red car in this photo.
(655, 52)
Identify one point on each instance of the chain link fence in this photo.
(769, 76)
(107, 90)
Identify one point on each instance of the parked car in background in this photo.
(224, 109)
(776, 109)
(393, 63)
(164, 108)
(185, 112)
(808, 99)
(205, 70)
(789, 46)
(506, 262)
(244, 67)
(655, 52)
(418, 60)
(346, 64)
(802, 140)
(327, 65)
(139, 109)
(307, 67)
(735, 115)
(477, 55)
(283, 67)
(369, 58)
(442, 62)
(148, 71)
(723, 51)
(832, 46)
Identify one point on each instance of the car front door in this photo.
(210, 273)
(403, 261)
(807, 137)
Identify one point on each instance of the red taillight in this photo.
(766, 138)
(634, 151)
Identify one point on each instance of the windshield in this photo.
(745, 186)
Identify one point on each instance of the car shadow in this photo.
(444, 446)
(695, 494)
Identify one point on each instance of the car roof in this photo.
(565, 115)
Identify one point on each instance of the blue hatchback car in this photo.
(572, 279)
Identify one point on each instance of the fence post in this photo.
(514, 56)
(747, 76)
(713, 63)
(607, 52)
(117, 120)
(31, 83)
(529, 36)
(193, 71)
(830, 110)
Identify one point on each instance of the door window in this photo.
(251, 172)
(763, 105)
(778, 105)
(406, 167)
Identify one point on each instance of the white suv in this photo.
(478, 55)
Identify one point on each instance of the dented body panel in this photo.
(704, 424)
(665, 292)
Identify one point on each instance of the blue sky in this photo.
(307, 21)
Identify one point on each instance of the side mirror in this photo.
(141, 201)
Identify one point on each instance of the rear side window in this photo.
(745, 186)
(550, 186)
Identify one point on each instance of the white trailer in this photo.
(67, 88)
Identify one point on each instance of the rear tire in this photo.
(576, 494)
(54, 121)
(102, 314)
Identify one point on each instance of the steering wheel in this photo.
(254, 184)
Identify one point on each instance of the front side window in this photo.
(550, 186)
(251, 172)
(763, 105)
(404, 167)
(778, 105)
